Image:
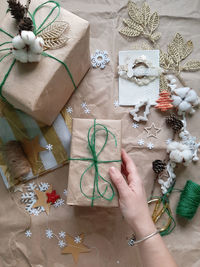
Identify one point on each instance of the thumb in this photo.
(119, 182)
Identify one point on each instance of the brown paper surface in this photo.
(79, 149)
(42, 89)
(105, 229)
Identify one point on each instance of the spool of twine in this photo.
(189, 200)
(15, 159)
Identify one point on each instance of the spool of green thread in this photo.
(189, 200)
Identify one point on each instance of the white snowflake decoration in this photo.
(116, 103)
(65, 192)
(69, 110)
(141, 142)
(87, 110)
(83, 105)
(77, 239)
(43, 186)
(99, 59)
(49, 233)
(59, 202)
(62, 234)
(135, 125)
(49, 147)
(31, 186)
(61, 244)
(150, 146)
(28, 233)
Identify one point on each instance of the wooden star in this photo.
(134, 111)
(32, 148)
(152, 131)
(42, 199)
(75, 248)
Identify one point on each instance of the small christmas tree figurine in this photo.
(164, 101)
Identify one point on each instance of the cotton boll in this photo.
(182, 91)
(32, 57)
(37, 46)
(191, 96)
(176, 156)
(184, 106)
(18, 42)
(182, 147)
(28, 37)
(21, 55)
(172, 146)
(195, 159)
(176, 100)
(187, 155)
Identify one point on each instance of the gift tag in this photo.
(139, 73)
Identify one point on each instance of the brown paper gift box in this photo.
(80, 150)
(42, 89)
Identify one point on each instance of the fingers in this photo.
(119, 182)
(130, 167)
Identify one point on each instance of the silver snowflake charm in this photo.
(116, 103)
(31, 186)
(141, 142)
(49, 147)
(59, 202)
(87, 110)
(135, 125)
(49, 233)
(61, 244)
(77, 239)
(83, 105)
(65, 192)
(28, 233)
(69, 109)
(99, 59)
(62, 234)
(43, 186)
(150, 146)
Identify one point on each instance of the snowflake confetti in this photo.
(31, 186)
(62, 234)
(49, 147)
(135, 125)
(168, 141)
(83, 105)
(99, 59)
(141, 142)
(69, 110)
(59, 202)
(77, 239)
(117, 262)
(43, 186)
(49, 233)
(150, 145)
(116, 103)
(65, 192)
(61, 244)
(28, 233)
(87, 110)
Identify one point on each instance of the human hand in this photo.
(132, 196)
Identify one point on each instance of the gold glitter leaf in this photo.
(129, 32)
(55, 43)
(153, 22)
(135, 13)
(192, 65)
(187, 49)
(145, 13)
(133, 25)
(163, 83)
(155, 36)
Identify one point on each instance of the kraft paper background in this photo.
(105, 229)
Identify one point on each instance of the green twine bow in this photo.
(91, 138)
(36, 32)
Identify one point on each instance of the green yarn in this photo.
(97, 127)
(189, 200)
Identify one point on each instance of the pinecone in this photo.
(174, 123)
(17, 10)
(25, 25)
(158, 166)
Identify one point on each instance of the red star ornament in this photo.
(52, 197)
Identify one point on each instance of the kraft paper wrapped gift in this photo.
(42, 89)
(86, 185)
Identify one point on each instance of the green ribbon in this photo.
(36, 32)
(91, 138)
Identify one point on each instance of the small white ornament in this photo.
(61, 244)
(28, 233)
(116, 103)
(99, 59)
(77, 239)
(150, 146)
(59, 202)
(135, 125)
(87, 110)
(49, 147)
(49, 233)
(65, 192)
(141, 142)
(62, 234)
(69, 110)
(43, 186)
(83, 105)
(134, 111)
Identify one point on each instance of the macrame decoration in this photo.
(134, 112)
(141, 22)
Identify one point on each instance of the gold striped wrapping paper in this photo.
(16, 125)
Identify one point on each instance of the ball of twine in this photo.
(189, 200)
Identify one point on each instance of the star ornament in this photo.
(42, 199)
(75, 248)
(152, 131)
(32, 148)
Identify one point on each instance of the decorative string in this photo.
(91, 138)
(5, 43)
(4, 49)
(189, 200)
(1, 30)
